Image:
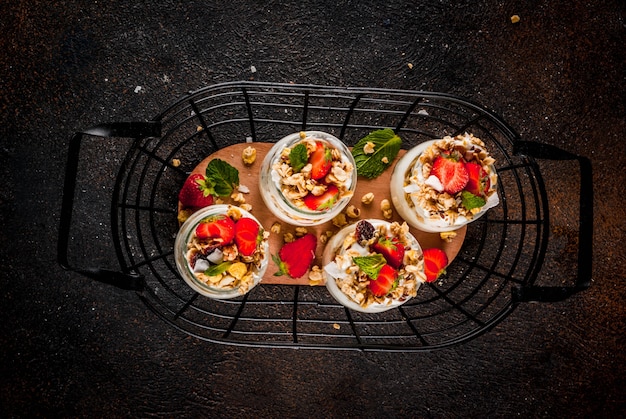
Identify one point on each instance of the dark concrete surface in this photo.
(70, 347)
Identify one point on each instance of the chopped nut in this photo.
(238, 270)
(388, 214)
(368, 198)
(275, 228)
(316, 275)
(340, 220)
(369, 147)
(175, 162)
(198, 128)
(184, 214)
(238, 197)
(515, 19)
(385, 204)
(336, 326)
(301, 231)
(447, 235)
(288, 237)
(248, 155)
(410, 65)
(353, 212)
(246, 207)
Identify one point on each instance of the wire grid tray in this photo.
(496, 268)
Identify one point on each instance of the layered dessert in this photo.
(307, 178)
(222, 251)
(373, 265)
(442, 185)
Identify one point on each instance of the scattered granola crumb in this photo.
(410, 65)
(447, 235)
(301, 231)
(340, 220)
(385, 160)
(288, 237)
(515, 19)
(369, 147)
(275, 228)
(368, 198)
(353, 212)
(175, 162)
(336, 326)
(248, 155)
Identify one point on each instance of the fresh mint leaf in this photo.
(222, 177)
(298, 157)
(370, 265)
(218, 269)
(386, 147)
(471, 201)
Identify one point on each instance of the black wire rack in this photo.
(496, 269)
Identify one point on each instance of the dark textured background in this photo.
(72, 347)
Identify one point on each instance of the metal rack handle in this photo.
(136, 130)
(585, 227)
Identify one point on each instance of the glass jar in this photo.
(255, 264)
(407, 188)
(284, 192)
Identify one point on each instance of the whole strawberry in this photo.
(295, 258)
(196, 192)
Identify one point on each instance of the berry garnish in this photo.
(383, 284)
(391, 249)
(325, 201)
(321, 161)
(435, 262)
(247, 235)
(364, 231)
(451, 172)
(219, 227)
(294, 259)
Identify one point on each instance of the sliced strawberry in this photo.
(324, 201)
(478, 183)
(247, 235)
(196, 192)
(391, 249)
(219, 227)
(451, 172)
(295, 258)
(321, 160)
(383, 284)
(435, 262)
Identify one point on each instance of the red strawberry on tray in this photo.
(219, 227)
(196, 192)
(391, 249)
(451, 172)
(435, 262)
(383, 284)
(295, 258)
(247, 236)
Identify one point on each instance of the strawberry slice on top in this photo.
(450, 169)
(391, 249)
(219, 227)
(384, 282)
(324, 201)
(321, 161)
(247, 236)
(478, 179)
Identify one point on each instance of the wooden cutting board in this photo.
(249, 176)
